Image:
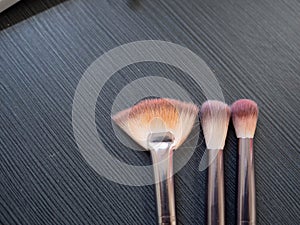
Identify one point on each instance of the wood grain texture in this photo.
(252, 46)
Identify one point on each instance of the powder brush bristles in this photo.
(244, 117)
(215, 117)
(157, 116)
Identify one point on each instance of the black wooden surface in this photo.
(252, 46)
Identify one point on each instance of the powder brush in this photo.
(244, 117)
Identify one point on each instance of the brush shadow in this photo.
(190, 188)
(23, 10)
(203, 177)
(134, 4)
(231, 175)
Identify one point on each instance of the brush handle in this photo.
(215, 196)
(162, 157)
(246, 214)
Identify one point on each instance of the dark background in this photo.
(253, 47)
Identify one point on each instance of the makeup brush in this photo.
(160, 126)
(215, 117)
(244, 117)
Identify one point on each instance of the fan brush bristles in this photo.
(244, 117)
(215, 117)
(157, 116)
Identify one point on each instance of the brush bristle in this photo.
(157, 116)
(215, 117)
(244, 117)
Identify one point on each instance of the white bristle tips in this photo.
(215, 116)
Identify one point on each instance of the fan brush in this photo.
(160, 126)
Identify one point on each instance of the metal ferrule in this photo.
(215, 196)
(246, 214)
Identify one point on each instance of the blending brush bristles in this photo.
(215, 116)
(160, 125)
(244, 116)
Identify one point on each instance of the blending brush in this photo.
(215, 116)
(160, 126)
(244, 117)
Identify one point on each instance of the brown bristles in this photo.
(215, 116)
(157, 116)
(244, 117)
(149, 110)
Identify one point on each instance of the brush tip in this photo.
(244, 117)
(153, 116)
(215, 116)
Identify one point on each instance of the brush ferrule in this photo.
(215, 194)
(161, 148)
(246, 214)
